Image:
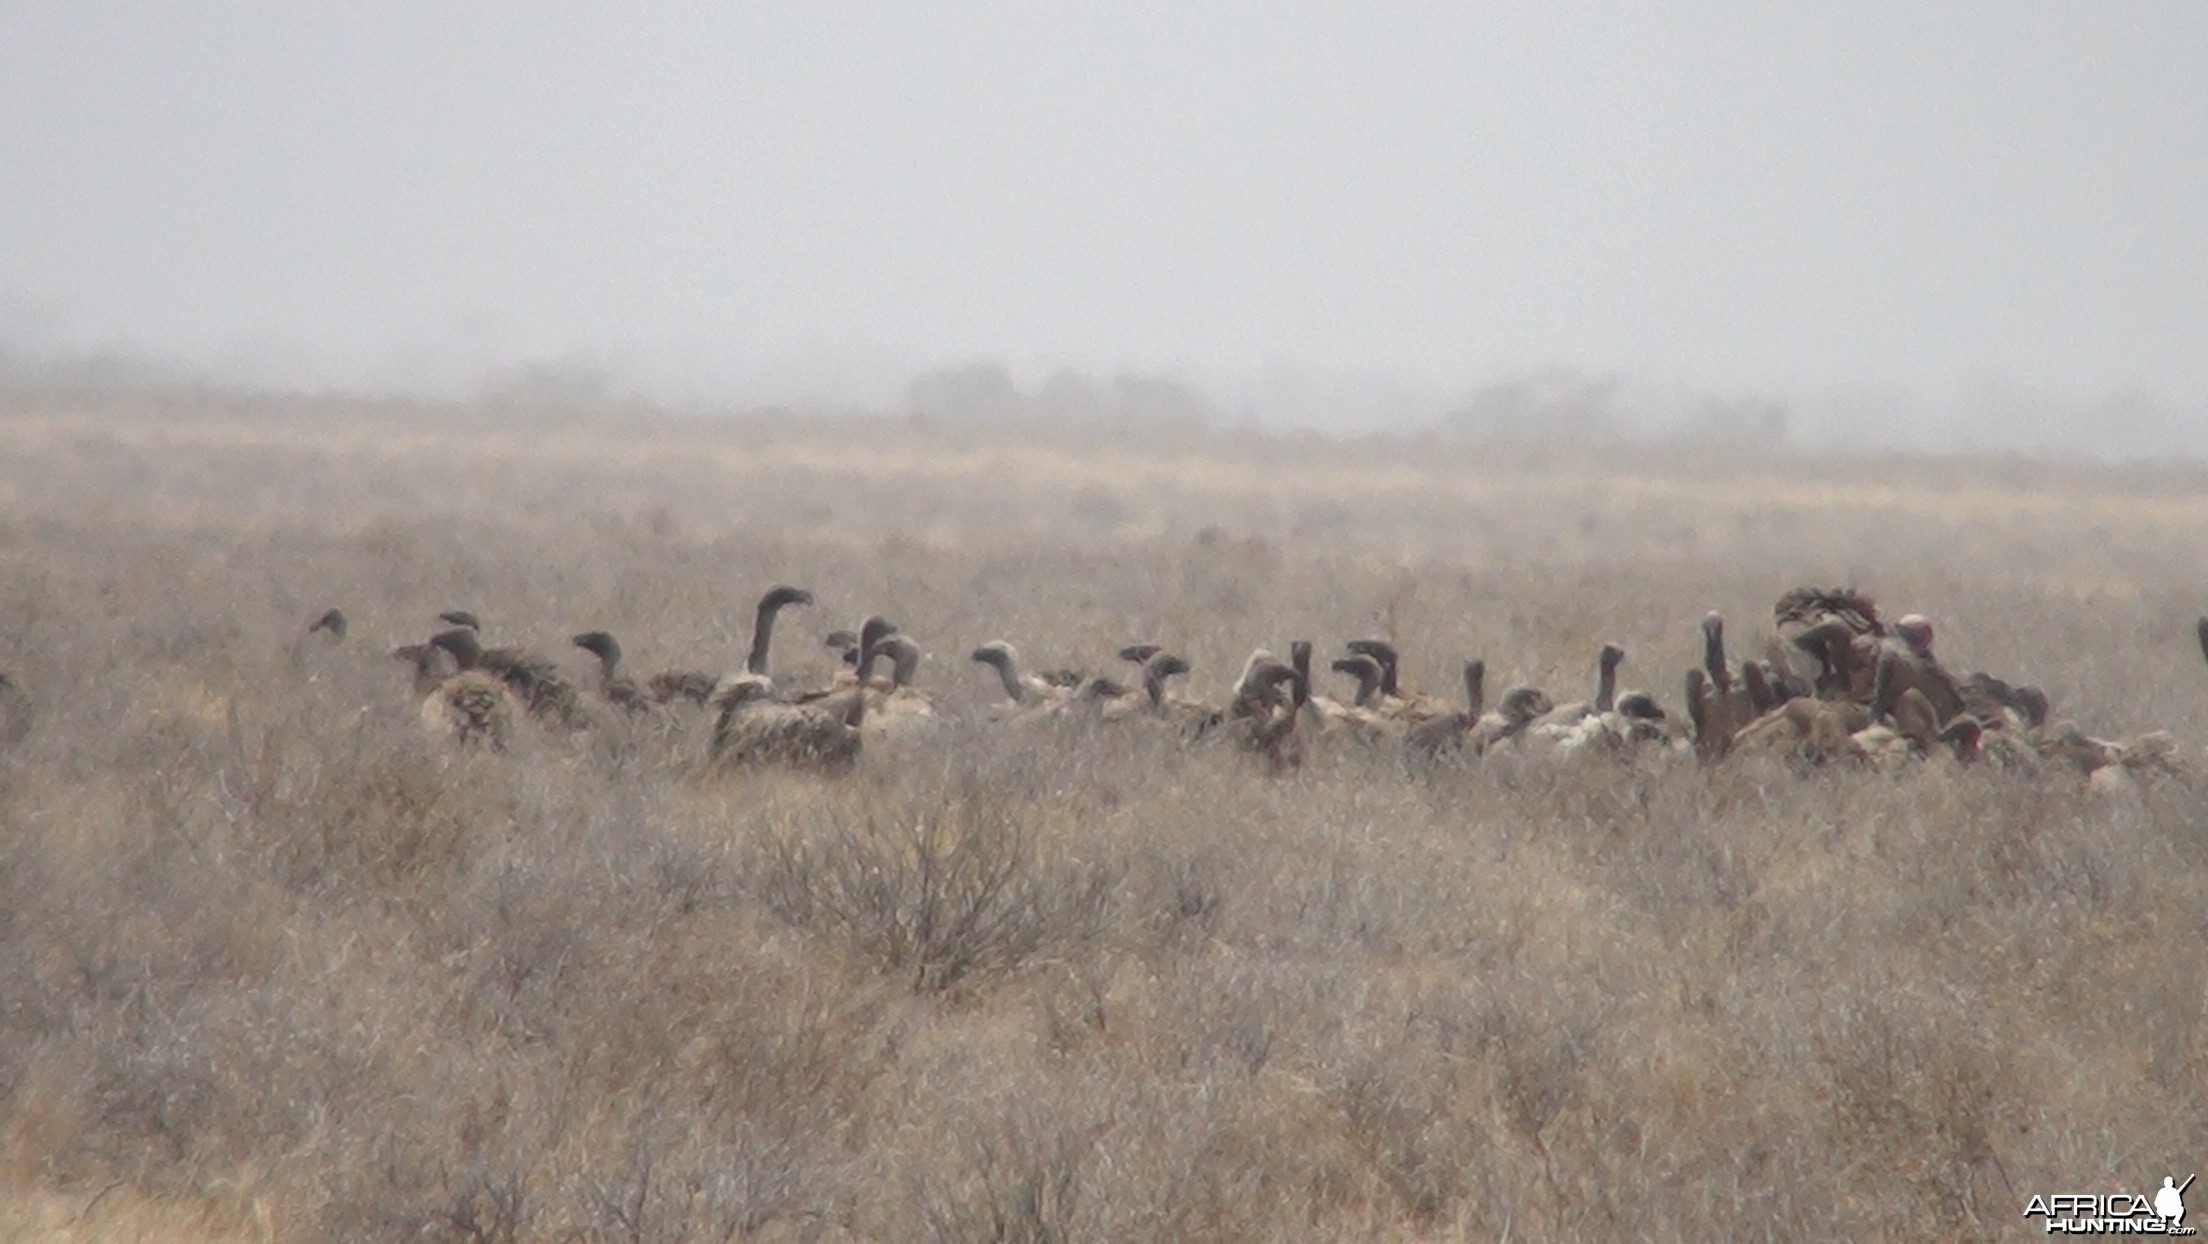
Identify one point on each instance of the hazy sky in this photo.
(722, 195)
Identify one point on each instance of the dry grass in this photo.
(273, 965)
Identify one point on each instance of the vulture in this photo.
(1606, 694)
(1415, 706)
(2111, 764)
(695, 686)
(536, 681)
(1711, 720)
(1435, 737)
(1140, 654)
(1154, 700)
(1904, 662)
(432, 665)
(756, 728)
(1637, 719)
(1833, 636)
(1025, 691)
(770, 606)
(2002, 706)
(1520, 708)
(1367, 672)
(1262, 721)
(660, 689)
(762, 638)
(899, 710)
(1193, 716)
(1357, 718)
(326, 631)
(852, 646)
(471, 706)
(617, 689)
(1807, 729)
(1899, 722)
(870, 651)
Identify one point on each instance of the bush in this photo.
(942, 892)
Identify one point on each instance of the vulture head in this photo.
(599, 644)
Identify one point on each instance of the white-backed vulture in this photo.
(1898, 722)
(1722, 700)
(756, 728)
(1564, 716)
(430, 664)
(326, 631)
(1435, 737)
(1100, 698)
(2112, 765)
(1806, 730)
(1832, 637)
(660, 689)
(873, 633)
(1744, 688)
(547, 694)
(1152, 701)
(615, 688)
(1191, 717)
(1355, 720)
(1269, 699)
(1155, 697)
(1636, 721)
(762, 635)
(1024, 691)
(1140, 654)
(1366, 671)
(1107, 699)
(1255, 693)
(1706, 726)
(1919, 670)
(770, 606)
(2002, 706)
(900, 710)
(1512, 718)
(1413, 706)
(472, 706)
(858, 667)
(696, 686)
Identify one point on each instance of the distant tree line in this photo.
(986, 392)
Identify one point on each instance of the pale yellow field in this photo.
(274, 965)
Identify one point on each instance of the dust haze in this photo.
(1955, 230)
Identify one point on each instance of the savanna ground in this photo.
(273, 965)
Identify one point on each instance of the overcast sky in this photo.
(730, 195)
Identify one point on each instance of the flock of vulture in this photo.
(1837, 685)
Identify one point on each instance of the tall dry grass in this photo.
(275, 965)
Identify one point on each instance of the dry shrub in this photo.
(397, 818)
(1914, 1085)
(940, 885)
(681, 1181)
(1015, 1190)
